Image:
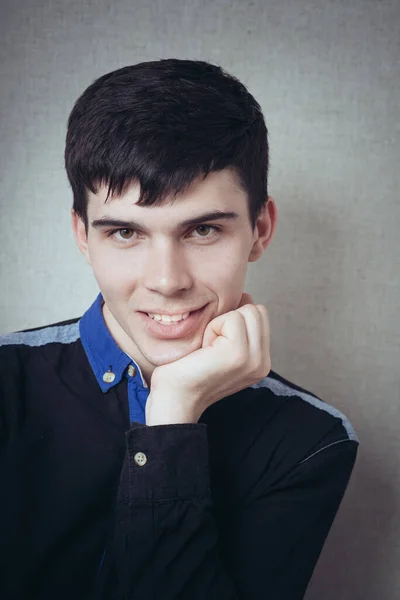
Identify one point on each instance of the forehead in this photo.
(219, 190)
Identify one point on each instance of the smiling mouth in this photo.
(168, 313)
(160, 319)
(177, 329)
(176, 318)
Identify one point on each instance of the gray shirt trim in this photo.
(61, 334)
(281, 389)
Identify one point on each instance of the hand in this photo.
(235, 354)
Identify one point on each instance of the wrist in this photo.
(162, 411)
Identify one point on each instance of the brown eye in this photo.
(207, 232)
(126, 234)
(203, 226)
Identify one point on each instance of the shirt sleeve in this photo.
(166, 541)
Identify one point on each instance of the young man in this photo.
(143, 459)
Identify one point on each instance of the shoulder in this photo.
(297, 402)
(281, 423)
(22, 349)
(61, 332)
(30, 360)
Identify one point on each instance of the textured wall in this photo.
(327, 74)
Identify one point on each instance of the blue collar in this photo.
(104, 354)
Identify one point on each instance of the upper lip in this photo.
(175, 312)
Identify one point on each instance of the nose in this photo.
(166, 270)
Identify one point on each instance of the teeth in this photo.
(168, 318)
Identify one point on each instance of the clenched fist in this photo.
(235, 354)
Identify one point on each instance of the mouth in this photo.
(172, 330)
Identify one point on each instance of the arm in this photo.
(166, 544)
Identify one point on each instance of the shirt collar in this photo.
(106, 358)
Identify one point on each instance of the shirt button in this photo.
(131, 371)
(140, 459)
(109, 377)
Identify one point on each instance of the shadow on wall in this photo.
(316, 308)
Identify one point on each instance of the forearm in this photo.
(170, 542)
(165, 543)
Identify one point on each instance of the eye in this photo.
(123, 234)
(202, 227)
(202, 231)
(126, 233)
(215, 229)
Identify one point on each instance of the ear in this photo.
(79, 229)
(264, 229)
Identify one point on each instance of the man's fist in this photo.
(235, 354)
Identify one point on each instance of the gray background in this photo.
(327, 76)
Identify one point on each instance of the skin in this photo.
(162, 267)
(235, 354)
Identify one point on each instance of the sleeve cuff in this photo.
(166, 461)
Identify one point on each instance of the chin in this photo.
(169, 353)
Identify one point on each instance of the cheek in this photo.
(230, 267)
(227, 277)
(111, 273)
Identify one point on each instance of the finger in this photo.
(265, 337)
(259, 336)
(213, 328)
(254, 326)
(231, 326)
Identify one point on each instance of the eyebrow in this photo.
(209, 216)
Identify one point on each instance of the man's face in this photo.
(163, 268)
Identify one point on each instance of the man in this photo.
(148, 451)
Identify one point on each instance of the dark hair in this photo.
(163, 124)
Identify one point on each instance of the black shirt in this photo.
(96, 504)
